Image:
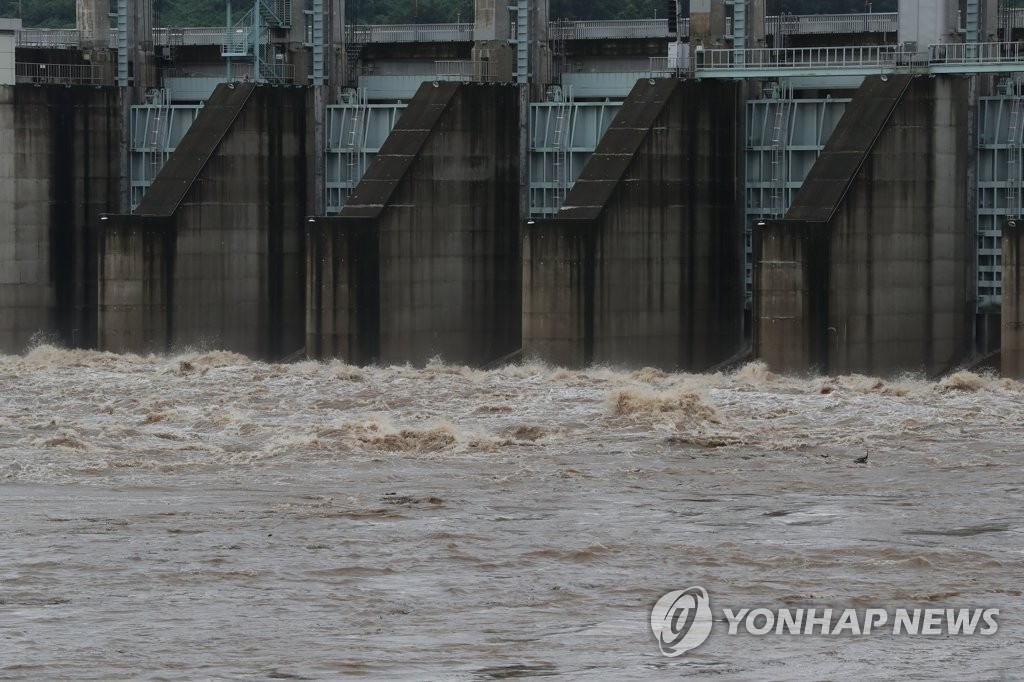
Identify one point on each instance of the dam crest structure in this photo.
(826, 193)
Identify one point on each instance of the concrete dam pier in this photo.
(214, 253)
(870, 269)
(1013, 300)
(424, 259)
(824, 193)
(60, 169)
(643, 263)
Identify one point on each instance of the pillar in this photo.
(1013, 295)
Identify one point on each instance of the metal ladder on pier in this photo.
(561, 141)
(159, 132)
(356, 138)
(780, 135)
(1013, 156)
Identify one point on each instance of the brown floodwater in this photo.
(206, 516)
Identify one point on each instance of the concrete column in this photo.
(491, 33)
(296, 52)
(888, 203)
(92, 18)
(989, 25)
(928, 22)
(755, 23)
(791, 281)
(643, 263)
(1013, 297)
(140, 43)
(334, 24)
(424, 258)
(540, 48)
(707, 26)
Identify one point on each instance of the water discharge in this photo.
(207, 516)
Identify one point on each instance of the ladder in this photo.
(561, 142)
(356, 138)
(780, 134)
(159, 132)
(1013, 155)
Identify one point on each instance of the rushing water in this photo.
(206, 516)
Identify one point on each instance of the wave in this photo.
(204, 408)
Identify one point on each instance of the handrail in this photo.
(412, 33)
(463, 70)
(883, 22)
(567, 30)
(63, 74)
(859, 57)
(624, 28)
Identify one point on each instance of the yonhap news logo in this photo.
(682, 620)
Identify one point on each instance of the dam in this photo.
(828, 193)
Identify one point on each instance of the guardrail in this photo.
(1012, 17)
(884, 22)
(463, 70)
(48, 37)
(800, 57)
(589, 30)
(977, 53)
(885, 57)
(412, 33)
(62, 74)
(193, 35)
(463, 32)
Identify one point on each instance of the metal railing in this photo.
(48, 37)
(240, 71)
(665, 67)
(413, 33)
(802, 58)
(805, 57)
(1012, 17)
(884, 57)
(463, 70)
(63, 74)
(194, 35)
(977, 53)
(884, 22)
(463, 32)
(589, 30)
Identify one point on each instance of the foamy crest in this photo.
(641, 405)
(755, 374)
(964, 381)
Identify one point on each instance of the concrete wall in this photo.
(642, 265)
(424, 259)
(343, 290)
(59, 170)
(791, 284)
(225, 256)
(902, 295)
(92, 19)
(491, 34)
(140, 41)
(1013, 300)
(8, 35)
(136, 283)
(891, 191)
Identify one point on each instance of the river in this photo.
(205, 516)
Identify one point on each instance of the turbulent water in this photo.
(207, 516)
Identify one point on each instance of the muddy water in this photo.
(205, 516)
